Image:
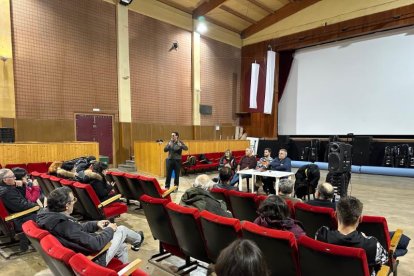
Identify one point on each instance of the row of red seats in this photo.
(185, 232)
(30, 167)
(64, 261)
(192, 163)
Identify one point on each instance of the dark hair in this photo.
(176, 133)
(348, 210)
(274, 207)
(225, 174)
(241, 258)
(268, 149)
(67, 165)
(19, 173)
(99, 167)
(58, 198)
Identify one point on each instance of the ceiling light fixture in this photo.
(125, 2)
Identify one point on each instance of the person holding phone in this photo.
(173, 162)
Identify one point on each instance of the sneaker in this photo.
(136, 246)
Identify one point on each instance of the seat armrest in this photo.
(384, 271)
(130, 267)
(22, 213)
(109, 201)
(169, 191)
(395, 240)
(106, 247)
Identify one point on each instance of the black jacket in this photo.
(80, 237)
(322, 203)
(99, 184)
(13, 199)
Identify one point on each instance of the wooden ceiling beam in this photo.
(175, 5)
(277, 16)
(223, 25)
(261, 5)
(206, 7)
(236, 13)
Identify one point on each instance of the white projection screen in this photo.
(363, 86)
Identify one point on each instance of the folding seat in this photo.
(313, 217)
(11, 166)
(34, 233)
(243, 205)
(83, 266)
(279, 248)
(218, 232)
(55, 181)
(96, 210)
(162, 230)
(134, 185)
(45, 188)
(122, 186)
(41, 167)
(46, 179)
(110, 179)
(377, 227)
(186, 224)
(319, 258)
(221, 194)
(7, 228)
(151, 187)
(57, 256)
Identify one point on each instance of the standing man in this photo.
(282, 163)
(174, 149)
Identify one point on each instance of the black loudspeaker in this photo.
(361, 149)
(284, 141)
(206, 109)
(6, 135)
(339, 157)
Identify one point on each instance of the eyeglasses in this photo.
(74, 200)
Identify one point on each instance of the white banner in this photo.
(253, 85)
(270, 82)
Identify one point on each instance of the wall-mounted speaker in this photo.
(339, 157)
(206, 109)
(6, 135)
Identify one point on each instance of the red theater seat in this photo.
(313, 217)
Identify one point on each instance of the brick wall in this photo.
(160, 79)
(65, 57)
(220, 81)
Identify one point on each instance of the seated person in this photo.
(264, 164)
(67, 170)
(52, 170)
(286, 190)
(274, 213)
(95, 176)
(246, 162)
(15, 202)
(86, 238)
(282, 163)
(225, 175)
(199, 197)
(28, 188)
(227, 160)
(348, 213)
(241, 257)
(324, 196)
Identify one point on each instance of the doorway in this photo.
(96, 128)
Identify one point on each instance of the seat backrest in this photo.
(41, 167)
(58, 256)
(11, 166)
(78, 208)
(279, 248)
(134, 185)
(34, 233)
(55, 181)
(150, 186)
(110, 179)
(6, 228)
(121, 184)
(48, 183)
(221, 194)
(187, 228)
(42, 184)
(319, 258)
(243, 205)
(313, 217)
(89, 200)
(377, 227)
(218, 232)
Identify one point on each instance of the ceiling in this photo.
(245, 17)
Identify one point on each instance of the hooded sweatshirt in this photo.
(80, 237)
(376, 254)
(287, 224)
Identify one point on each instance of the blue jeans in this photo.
(235, 178)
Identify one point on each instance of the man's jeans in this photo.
(118, 247)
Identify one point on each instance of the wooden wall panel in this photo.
(40, 130)
(45, 152)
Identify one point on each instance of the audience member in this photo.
(95, 176)
(282, 163)
(88, 237)
(67, 170)
(227, 160)
(28, 188)
(324, 196)
(15, 202)
(264, 164)
(199, 197)
(174, 148)
(224, 179)
(348, 213)
(248, 161)
(52, 170)
(274, 213)
(286, 190)
(241, 258)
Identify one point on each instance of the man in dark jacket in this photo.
(15, 202)
(83, 237)
(348, 212)
(174, 149)
(324, 196)
(94, 175)
(282, 163)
